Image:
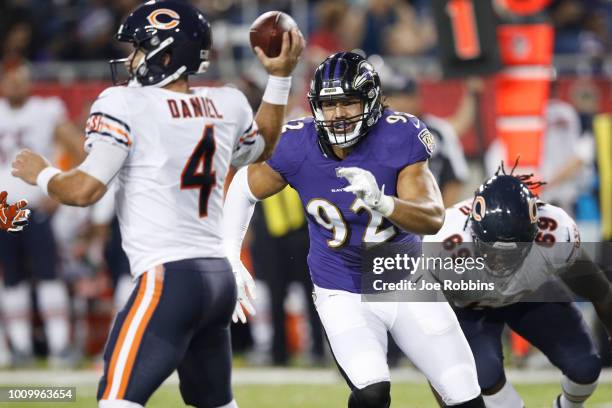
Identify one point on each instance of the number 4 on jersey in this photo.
(198, 172)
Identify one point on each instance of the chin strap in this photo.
(327, 150)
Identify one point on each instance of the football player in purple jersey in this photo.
(362, 175)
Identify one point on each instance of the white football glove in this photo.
(246, 291)
(363, 184)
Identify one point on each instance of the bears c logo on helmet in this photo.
(153, 18)
(479, 208)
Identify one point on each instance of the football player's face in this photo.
(16, 85)
(134, 60)
(342, 109)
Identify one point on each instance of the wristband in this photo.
(45, 176)
(385, 205)
(277, 90)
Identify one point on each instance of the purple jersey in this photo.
(338, 222)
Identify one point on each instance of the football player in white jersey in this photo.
(39, 124)
(528, 247)
(170, 147)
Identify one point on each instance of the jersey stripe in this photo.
(245, 137)
(123, 142)
(110, 376)
(106, 115)
(249, 128)
(132, 331)
(106, 125)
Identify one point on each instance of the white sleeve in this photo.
(104, 160)
(109, 121)
(249, 143)
(237, 213)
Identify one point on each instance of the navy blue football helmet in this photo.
(504, 223)
(345, 75)
(175, 37)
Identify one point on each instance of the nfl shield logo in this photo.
(428, 141)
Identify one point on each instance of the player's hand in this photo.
(284, 64)
(27, 165)
(363, 184)
(14, 217)
(246, 292)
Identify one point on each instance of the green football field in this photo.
(329, 395)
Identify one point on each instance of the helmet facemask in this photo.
(502, 259)
(352, 78)
(345, 132)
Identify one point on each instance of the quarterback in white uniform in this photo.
(170, 147)
(523, 250)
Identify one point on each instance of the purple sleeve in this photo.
(408, 140)
(423, 147)
(286, 157)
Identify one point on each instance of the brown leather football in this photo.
(267, 31)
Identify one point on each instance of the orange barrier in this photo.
(522, 89)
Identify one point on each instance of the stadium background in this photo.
(67, 43)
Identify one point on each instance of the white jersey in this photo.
(563, 142)
(543, 262)
(31, 126)
(180, 147)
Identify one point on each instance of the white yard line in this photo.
(271, 376)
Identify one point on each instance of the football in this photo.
(267, 31)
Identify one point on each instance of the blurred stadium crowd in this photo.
(68, 314)
(83, 29)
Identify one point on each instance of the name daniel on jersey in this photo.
(197, 107)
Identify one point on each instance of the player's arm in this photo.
(418, 207)
(249, 185)
(81, 186)
(271, 113)
(588, 281)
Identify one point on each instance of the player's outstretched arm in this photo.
(81, 186)
(271, 113)
(248, 186)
